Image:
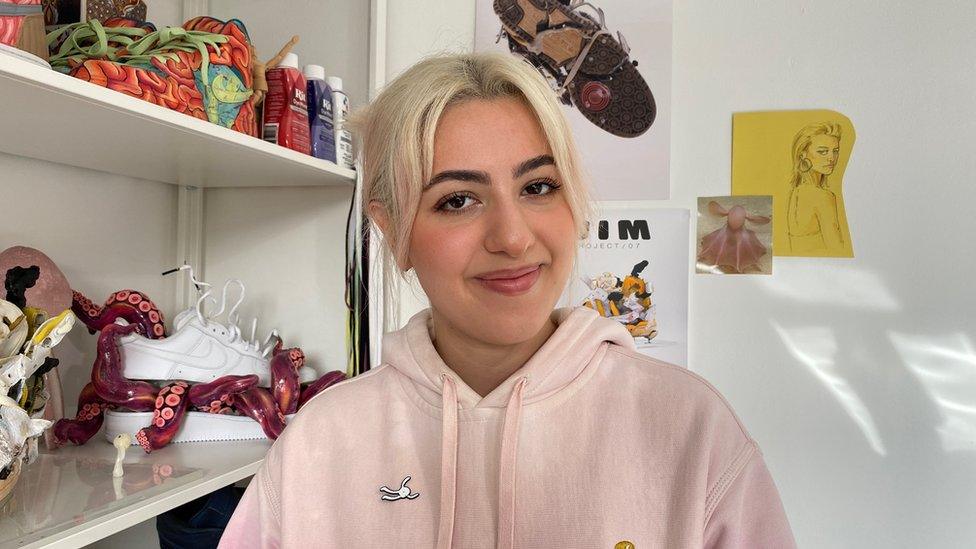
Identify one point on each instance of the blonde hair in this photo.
(395, 134)
(802, 140)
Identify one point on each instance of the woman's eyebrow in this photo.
(531, 164)
(459, 175)
(483, 178)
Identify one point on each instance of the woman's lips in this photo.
(512, 286)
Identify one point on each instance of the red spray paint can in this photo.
(286, 106)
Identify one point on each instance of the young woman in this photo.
(494, 420)
(812, 218)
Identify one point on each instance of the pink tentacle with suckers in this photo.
(257, 404)
(139, 396)
(170, 407)
(319, 385)
(217, 396)
(285, 385)
(133, 306)
(91, 412)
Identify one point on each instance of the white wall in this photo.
(857, 377)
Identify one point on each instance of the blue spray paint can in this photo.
(320, 117)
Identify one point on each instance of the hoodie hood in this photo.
(580, 334)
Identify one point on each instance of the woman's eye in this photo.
(541, 187)
(454, 203)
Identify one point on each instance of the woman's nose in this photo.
(508, 230)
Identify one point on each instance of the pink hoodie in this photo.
(589, 444)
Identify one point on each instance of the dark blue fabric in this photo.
(199, 523)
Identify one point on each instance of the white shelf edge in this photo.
(53, 81)
(85, 534)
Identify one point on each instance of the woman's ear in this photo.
(377, 212)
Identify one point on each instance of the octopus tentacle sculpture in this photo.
(135, 307)
(232, 394)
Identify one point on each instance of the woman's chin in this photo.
(512, 331)
(499, 324)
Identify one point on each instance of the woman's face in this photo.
(493, 241)
(823, 152)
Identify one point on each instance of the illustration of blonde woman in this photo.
(812, 219)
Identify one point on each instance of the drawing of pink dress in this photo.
(733, 246)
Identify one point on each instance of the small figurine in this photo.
(627, 301)
(733, 246)
(122, 443)
(260, 68)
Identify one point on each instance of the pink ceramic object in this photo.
(51, 293)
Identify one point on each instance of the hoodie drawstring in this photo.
(449, 446)
(507, 465)
(507, 468)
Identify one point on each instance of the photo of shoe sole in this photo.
(589, 67)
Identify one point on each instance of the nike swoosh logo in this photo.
(208, 355)
(212, 355)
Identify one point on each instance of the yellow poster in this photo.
(799, 158)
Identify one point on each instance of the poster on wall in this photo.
(799, 158)
(633, 268)
(610, 66)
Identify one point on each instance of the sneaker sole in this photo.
(559, 45)
(197, 426)
(607, 89)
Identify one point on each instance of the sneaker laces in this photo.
(231, 326)
(234, 322)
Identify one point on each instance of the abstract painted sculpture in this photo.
(202, 69)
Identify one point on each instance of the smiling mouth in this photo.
(511, 283)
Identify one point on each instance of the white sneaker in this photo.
(197, 351)
(200, 349)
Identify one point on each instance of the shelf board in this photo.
(68, 497)
(52, 116)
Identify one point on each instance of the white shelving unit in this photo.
(241, 207)
(68, 498)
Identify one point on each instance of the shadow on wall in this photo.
(903, 371)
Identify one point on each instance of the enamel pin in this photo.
(402, 493)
